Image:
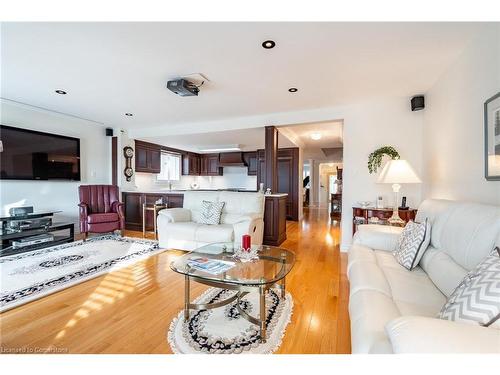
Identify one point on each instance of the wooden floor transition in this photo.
(130, 310)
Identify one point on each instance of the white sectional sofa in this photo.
(393, 310)
(243, 213)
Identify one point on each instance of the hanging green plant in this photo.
(375, 158)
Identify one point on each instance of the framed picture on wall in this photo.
(492, 138)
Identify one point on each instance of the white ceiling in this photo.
(331, 134)
(248, 139)
(112, 68)
(331, 139)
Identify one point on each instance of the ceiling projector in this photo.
(183, 87)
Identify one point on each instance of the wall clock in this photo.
(128, 152)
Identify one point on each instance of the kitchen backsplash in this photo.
(234, 177)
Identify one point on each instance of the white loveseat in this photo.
(243, 213)
(393, 310)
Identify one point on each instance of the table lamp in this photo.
(397, 172)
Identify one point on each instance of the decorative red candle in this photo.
(246, 242)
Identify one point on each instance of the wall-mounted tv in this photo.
(32, 155)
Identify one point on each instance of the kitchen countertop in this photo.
(166, 191)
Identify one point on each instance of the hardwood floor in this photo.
(130, 310)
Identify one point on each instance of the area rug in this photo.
(32, 275)
(224, 331)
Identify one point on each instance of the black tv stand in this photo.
(63, 233)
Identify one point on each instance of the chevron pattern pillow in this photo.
(476, 299)
(211, 212)
(412, 244)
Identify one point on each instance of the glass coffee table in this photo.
(269, 269)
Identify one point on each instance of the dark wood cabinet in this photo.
(288, 169)
(141, 159)
(175, 200)
(250, 159)
(133, 207)
(288, 177)
(274, 220)
(261, 168)
(155, 161)
(210, 165)
(191, 164)
(133, 210)
(203, 165)
(147, 157)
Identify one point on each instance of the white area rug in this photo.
(32, 275)
(225, 331)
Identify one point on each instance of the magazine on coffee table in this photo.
(211, 266)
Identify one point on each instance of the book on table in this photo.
(211, 266)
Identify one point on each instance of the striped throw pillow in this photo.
(211, 212)
(476, 300)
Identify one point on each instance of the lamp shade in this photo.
(398, 172)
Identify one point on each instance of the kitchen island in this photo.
(274, 211)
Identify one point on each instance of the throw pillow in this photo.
(412, 244)
(211, 212)
(476, 300)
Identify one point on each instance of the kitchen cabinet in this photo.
(133, 210)
(275, 220)
(261, 168)
(191, 164)
(175, 200)
(210, 165)
(147, 157)
(250, 159)
(288, 177)
(133, 207)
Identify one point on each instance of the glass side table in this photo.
(155, 208)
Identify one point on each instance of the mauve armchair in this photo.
(100, 209)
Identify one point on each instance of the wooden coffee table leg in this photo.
(186, 298)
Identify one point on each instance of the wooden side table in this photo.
(382, 213)
(336, 205)
(155, 208)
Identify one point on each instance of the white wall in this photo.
(95, 152)
(453, 124)
(368, 126)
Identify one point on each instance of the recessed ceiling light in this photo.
(268, 44)
(293, 89)
(61, 92)
(316, 136)
(129, 114)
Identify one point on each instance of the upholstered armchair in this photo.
(100, 209)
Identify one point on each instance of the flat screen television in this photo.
(32, 155)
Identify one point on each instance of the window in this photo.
(170, 167)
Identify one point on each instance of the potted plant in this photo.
(375, 158)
